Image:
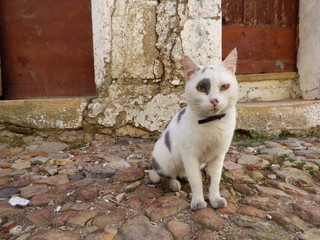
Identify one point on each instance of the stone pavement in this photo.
(49, 190)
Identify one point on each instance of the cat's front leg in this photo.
(214, 170)
(192, 169)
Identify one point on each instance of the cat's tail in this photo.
(154, 176)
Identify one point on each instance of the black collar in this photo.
(212, 118)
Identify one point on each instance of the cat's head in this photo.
(211, 90)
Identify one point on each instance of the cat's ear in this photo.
(189, 66)
(230, 62)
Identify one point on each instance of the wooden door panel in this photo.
(46, 48)
(264, 32)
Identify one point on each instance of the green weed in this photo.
(17, 143)
(300, 164)
(226, 180)
(76, 146)
(153, 138)
(314, 134)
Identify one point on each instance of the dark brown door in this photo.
(264, 32)
(46, 48)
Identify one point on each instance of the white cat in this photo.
(200, 134)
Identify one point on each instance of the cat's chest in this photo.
(205, 140)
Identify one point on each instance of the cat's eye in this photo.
(224, 87)
(201, 89)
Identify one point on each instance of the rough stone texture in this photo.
(312, 234)
(265, 203)
(290, 189)
(178, 229)
(165, 207)
(273, 192)
(258, 225)
(44, 113)
(291, 222)
(209, 46)
(253, 161)
(139, 227)
(98, 172)
(45, 198)
(308, 211)
(20, 165)
(275, 117)
(274, 87)
(54, 234)
(109, 216)
(129, 174)
(101, 234)
(54, 180)
(6, 210)
(46, 146)
(40, 217)
(134, 57)
(31, 190)
(209, 219)
(82, 217)
(262, 208)
(87, 193)
(7, 192)
(294, 176)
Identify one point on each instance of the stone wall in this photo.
(139, 73)
(309, 49)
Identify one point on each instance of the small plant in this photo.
(284, 157)
(250, 138)
(285, 136)
(311, 171)
(315, 134)
(76, 146)
(236, 138)
(314, 173)
(17, 143)
(226, 180)
(280, 161)
(300, 164)
(258, 136)
(153, 138)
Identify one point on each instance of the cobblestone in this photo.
(102, 191)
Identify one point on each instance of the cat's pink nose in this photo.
(214, 102)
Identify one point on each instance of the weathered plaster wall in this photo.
(140, 78)
(309, 49)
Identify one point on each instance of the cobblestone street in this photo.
(50, 190)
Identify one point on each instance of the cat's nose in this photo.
(214, 102)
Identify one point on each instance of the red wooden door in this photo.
(264, 32)
(46, 48)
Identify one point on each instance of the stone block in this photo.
(133, 40)
(200, 40)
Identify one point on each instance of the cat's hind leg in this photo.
(157, 175)
(169, 183)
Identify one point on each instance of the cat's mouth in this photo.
(214, 109)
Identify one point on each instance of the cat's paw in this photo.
(219, 202)
(174, 185)
(154, 176)
(198, 204)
